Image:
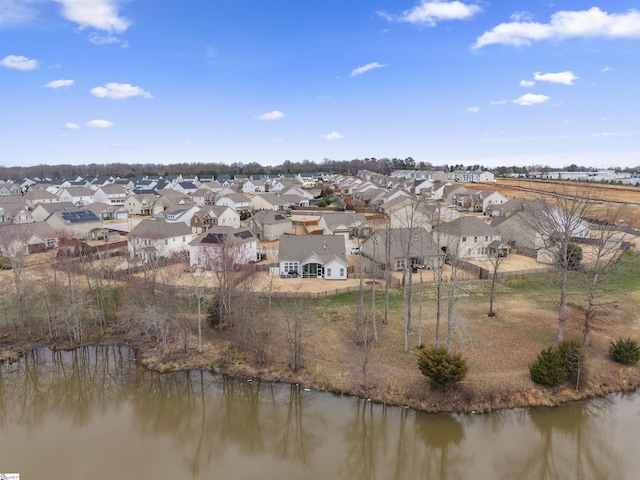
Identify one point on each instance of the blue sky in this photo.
(162, 81)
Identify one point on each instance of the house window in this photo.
(342, 272)
(475, 239)
(328, 272)
(464, 239)
(468, 252)
(486, 238)
(166, 241)
(400, 263)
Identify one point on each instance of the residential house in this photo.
(400, 248)
(108, 211)
(410, 213)
(254, 186)
(140, 204)
(33, 198)
(7, 188)
(42, 211)
(180, 213)
(152, 239)
(212, 216)
(467, 238)
(223, 248)
(111, 194)
(519, 230)
(269, 225)
(268, 201)
(186, 188)
(237, 201)
(17, 240)
(347, 224)
(313, 256)
(75, 223)
(79, 196)
(203, 196)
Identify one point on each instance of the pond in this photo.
(93, 413)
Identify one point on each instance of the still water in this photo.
(92, 414)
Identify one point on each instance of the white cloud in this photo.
(98, 39)
(18, 62)
(274, 115)
(565, 78)
(498, 102)
(527, 83)
(564, 24)
(431, 12)
(71, 126)
(606, 69)
(333, 136)
(99, 123)
(531, 99)
(521, 17)
(59, 83)
(98, 14)
(119, 91)
(369, 66)
(14, 12)
(473, 109)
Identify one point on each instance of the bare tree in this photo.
(558, 218)
(495, 256)
(602, 256)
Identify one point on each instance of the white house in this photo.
(313, 256)
(223, 248)
(157, 238)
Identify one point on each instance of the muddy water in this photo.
(92, 414)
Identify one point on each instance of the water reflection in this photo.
(195, 425)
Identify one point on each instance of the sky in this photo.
(241, 81)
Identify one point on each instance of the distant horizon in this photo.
(444, 81)
(257, 169)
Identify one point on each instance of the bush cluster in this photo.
(442, 368)
(625, 351)
(555, 364)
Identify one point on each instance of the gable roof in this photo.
(300, 247)
(465, 226)
(159, 229)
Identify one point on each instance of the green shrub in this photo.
(574, 256)
(625, 351)
(214, 317)
(572, 355)
(442, 368)
(548, 368)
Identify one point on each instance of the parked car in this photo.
(354, 250)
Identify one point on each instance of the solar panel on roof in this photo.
(244, 234)
(279, 217)
(213, 238)
(79, 216)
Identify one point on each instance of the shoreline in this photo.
(459, 399)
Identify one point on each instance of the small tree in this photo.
(574, 256)
(442, 368)
(572, 355)
(625, 351)
(548, 369)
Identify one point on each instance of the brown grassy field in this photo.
(627, 198)
(499, 349)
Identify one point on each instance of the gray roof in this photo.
(270, 217)
(300, 247)
(221, 234)
(465, 226)
(159, 229)
(418, 240)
